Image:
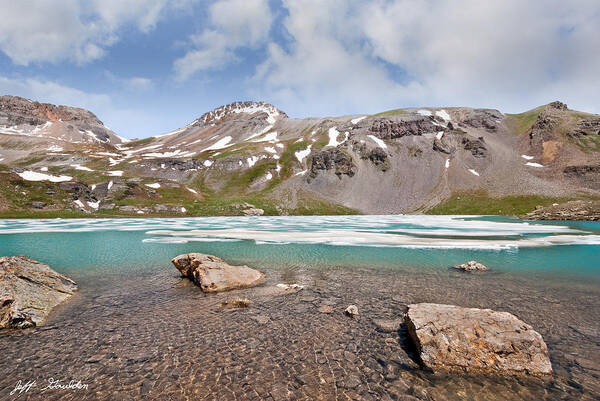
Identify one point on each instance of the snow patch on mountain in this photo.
(378, 141)
(220, 144)
(302, 154)
(443, 114)
(29, 175)
(333, 134)
(270, 137)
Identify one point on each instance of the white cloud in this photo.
(53, 92)
(135, 84)
(140, 83)
(354, 56)
(234, 24)
(78, 30)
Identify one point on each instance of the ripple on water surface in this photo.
(136, 330)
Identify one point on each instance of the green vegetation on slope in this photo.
(480, 202)
(521, 123)
(389, 113)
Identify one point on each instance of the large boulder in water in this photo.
(452, 338)
(29, 290)
(213, 274)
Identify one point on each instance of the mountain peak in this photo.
(248, 107)
(22, 110)
(24, 117)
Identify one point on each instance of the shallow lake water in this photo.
(136, 330)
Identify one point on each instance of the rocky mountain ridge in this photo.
(399, 161)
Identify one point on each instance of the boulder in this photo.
(452, 338)
(29, 290)
(253, 211)
(352, 311)
(213, 274)
(471, 266)
(38, 205)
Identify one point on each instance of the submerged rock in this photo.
(452, 338)
(471, 266)
(29, 290)
(388, 325)
(213, 274)
(237, 303)
(325, 309)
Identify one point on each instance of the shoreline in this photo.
(282, 345)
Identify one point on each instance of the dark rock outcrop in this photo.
(557, 105)
(586, 127)
(439, 146)
(332, 159)
(385, 128)
(475, 146)
(452, 338)
(213, 274)
(483, 118)
(377, 156)
(29, 290)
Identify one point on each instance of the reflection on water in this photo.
(136, 330)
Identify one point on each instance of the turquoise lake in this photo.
(570, 249)
(137, 330)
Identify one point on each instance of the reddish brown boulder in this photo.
(452, 338)
(29, 290)
(213, 274)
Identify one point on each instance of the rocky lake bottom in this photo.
(140, 331)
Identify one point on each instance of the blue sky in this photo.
(150, 66)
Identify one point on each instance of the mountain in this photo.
(60, 160)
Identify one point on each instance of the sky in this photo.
(146, 67)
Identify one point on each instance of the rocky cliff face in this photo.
(394, 162)
(32, 126)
